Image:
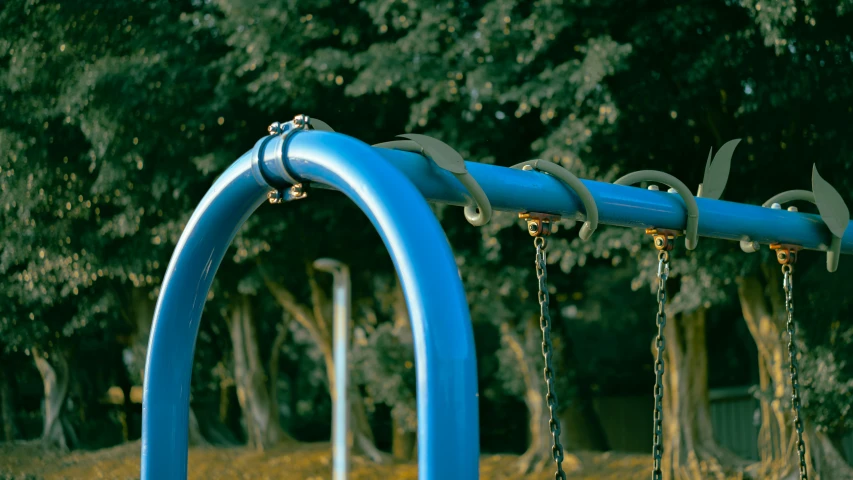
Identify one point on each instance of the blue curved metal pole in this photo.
(445, 360)
(168, 367)
(448, 429)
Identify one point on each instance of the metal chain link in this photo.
(788, 286)
(660, 345)
(547, 350)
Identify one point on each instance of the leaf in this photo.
(404, 145)
(717, 172)
(441, 153)
(708, 163)
(321, 125)
(831, 206)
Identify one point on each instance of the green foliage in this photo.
(116, 117)
(383, 361)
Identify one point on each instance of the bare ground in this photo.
(28, 461)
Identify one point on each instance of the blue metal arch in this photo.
(448, 416)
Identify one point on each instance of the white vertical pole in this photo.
(340, 343)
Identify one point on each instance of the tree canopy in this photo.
(116, 117)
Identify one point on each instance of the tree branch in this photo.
(319, 300)
(300, 312)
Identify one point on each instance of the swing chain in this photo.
(547, 351)
(539, 226)
(660, 345)
(788, 285)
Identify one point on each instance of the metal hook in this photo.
(576, 186)
(692, 231)
(445, 157)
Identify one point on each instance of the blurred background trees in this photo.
(115, 118)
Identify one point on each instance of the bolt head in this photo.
(776, 206)
(301, 120)
(792, 208)
(532, 227)
(274, 128)
(654, 188)
(659, 242)
(274, 196)
(782, 256)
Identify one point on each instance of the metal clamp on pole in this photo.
(575, 184)
(692, 231)
(285, 130)
(445, 157)
(833, 211)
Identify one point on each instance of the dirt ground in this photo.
(305, 461)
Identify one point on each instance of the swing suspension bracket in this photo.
(664, 239)
(786, 254)
(539, 224)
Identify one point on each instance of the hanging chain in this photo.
(664, 243)
(547, 351)
(660, 345)
(787, 257)
(539, 225)
(788, 284)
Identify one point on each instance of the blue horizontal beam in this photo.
(518, 191)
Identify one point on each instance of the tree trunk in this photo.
(538, 455)
(766, 324)
(55, 378)
(690, 450)
(275, 355)
(581, 424)
(6, 407)
(314, 321)
(403, 442)
(404, 438)
(826, 458)
(142, 316)
(263, 431)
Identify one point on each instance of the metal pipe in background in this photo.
(340, 343)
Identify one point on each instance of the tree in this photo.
(79, 119)
(316, 319)
(384, 357)
(700, 75)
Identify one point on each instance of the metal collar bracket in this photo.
(785, 254)
(285, 130)
(664, 239)
(539, 224)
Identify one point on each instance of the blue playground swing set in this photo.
(392, 183)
